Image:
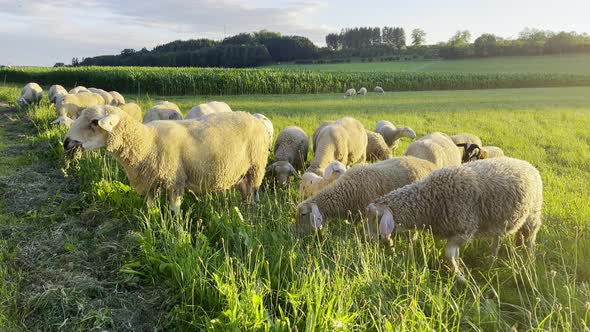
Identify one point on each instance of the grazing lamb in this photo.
(56, 93)
(69, 108)
(290, 153)
(486, 198)
(437, 148)
(378, 89)
(108, 98)
(269, 127)
(362, 91)
(377, 149)
(133, 110)
(163, 110)
(391, 134)
(344, 140)
(350, 93)
(31, 94)
(311, 183)
(360, 185)
(79, 89)
(174, 156)
(118, 99)
(207, 108)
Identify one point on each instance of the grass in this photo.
(221, 267)
(570, 64)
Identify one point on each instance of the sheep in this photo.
(377, 149)
(118, 99)
(469, 145)
(349, 93)
(463, 138)
(378, 89)
(290, 153)
(345, 140)
(171, 157)
(163, 110)
(269, 127)
(31, 94)
(491, 152)
(78, 89)
(437, 148)
(391, 134)
(485, 198)
(108, 98)
(208, 108)
(316, 133)
(353, 191)
(133, 109)
(311, 183)
(56, 93)
(71, 105)
(362, 91)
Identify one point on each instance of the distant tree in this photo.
(533, 35)
(485, 45)
(59, 64)
(561, 42)
(460, 38)
(240, 39)
(399, 37)
(127, 52)
(418, 37)
(75, 62)
(264, 35)
(333, 41)
(144, 50)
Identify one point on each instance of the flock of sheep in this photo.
(453, 186)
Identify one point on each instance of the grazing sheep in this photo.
(269, 127)
(31, 94)
(437, 148)
(118, 99)
(360, 185)
(334, 170)
(350, 93)
(491, 152)
(207, 108)
(69, 108)
(79, 89)
(108, 98)
(463, 138)
(469, 145)
(486, 198)
(56, 93)
(362, 91)
(377, 149)
(316, 134)
(378, 89)
(311, 183)
(290, 153)
(163, 110)
(174, 156)
(345, 140)
(133, 109)
(391, 134)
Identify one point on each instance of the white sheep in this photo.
(290, 153)
(108, 98)
(391, 134)
(485, 198)
(377, 149)
(207, 108)
(311, 183)
(71, 105)
(171, 157)
(491, 152)
(469, 145)
(362, 91)
(378, 89)
(344, 140)
(132, 109)
(31, 94)
(56, 93)
(350, 93)
(437, 148)
(163, 110)
(118, 99)
(268, 124)
(78, 89)
(353, 191)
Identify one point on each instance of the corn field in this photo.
(221, 81)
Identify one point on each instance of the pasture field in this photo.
(566, 64)
(80, 251)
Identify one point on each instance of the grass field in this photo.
(82, 252)
(570, 64)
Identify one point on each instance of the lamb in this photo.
(360, 185)
(118, 99)
(71, 105)
(350, 93)
(56, 93)
(334, 170)
(486, 198)
(79, 89)
(437, 148)
(108, 98)
(378, 89)
(133, 109)
(171, 157)
(269, 127)
(345, 140)
(491, 152)
(290, 153)
(311, 183)
(208, 108)
(362, 91)
(469, 145)
(377, 149)
(163, 110)
(31, 94)
(391, 134)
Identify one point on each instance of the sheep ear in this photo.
(316, 217)
(386, 225)
(109, 122)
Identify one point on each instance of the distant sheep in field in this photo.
(362, 91)
(163, 110)
(350, 93)
(378, 89)
(78, 89)
(31, 94)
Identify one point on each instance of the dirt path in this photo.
(62, 257)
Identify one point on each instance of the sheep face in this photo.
(309, 184)
(90, 131)
(472, 152)
(308, 219)
(334, 170)
(282, 171)
(381, 223)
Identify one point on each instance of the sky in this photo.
(41, 33)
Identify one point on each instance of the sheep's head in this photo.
(91, 129)
(308, 219)
(471, 152)
(334, 170)
(309, 184)
(282, 171)
(380, 222)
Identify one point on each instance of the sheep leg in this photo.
(175, 203)
(496, 246)
(527, 234)
(452, 254)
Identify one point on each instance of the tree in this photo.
(418, 37)
(460, 38)
(399, 37)
(75, 62)
(485, 45)
(127, 52)
(333, 41)
(560, 42)
(59, 64)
